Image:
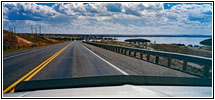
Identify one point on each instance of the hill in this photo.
(13, 42)
(207, 42)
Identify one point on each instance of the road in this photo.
(76, 59)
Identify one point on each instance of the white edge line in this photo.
(26, 52)
(19, 54)
(106, 61)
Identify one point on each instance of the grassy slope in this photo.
(10, 42)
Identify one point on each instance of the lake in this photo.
(168, 40)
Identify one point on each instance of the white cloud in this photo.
(138, 18)
(138, 9)
(192, 12)
(30, 10)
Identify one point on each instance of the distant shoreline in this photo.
(192, 36)
(155, 35)
(168, 40)
(120, 35)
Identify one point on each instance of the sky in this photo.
(110, 18)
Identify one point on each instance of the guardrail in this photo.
(202, 61)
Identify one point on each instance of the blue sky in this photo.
(110, 18)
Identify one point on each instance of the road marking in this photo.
(29, 77)
(33, 72)
(106, 61)
(23, 53)
(19, 54)
(22, 78)
(26, 52)
(12, 91)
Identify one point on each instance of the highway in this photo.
(74, 59)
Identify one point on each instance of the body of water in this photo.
(168, 40)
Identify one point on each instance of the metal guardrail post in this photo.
(121, 51)
(207, 62)
(134, 54)
(114, 49)
(206, 71)
(118, 50)
(148, 57)
(129, 52)
(141, 56)
(125, 52)
(184, 65)
(169, 62)
(157, 59)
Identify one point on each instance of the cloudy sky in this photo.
(110, 18)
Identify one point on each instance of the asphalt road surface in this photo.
(75, 59)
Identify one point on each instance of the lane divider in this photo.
(33, 72)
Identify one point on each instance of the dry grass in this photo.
(115, 43)
(179, 49)
(18, 42)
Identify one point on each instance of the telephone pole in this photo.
(14, 29)
(10, 29)
(36, 30)
(40, 29)
(32, 31)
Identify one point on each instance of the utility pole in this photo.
(32, 31)
(36, 30)
(14, 29)
(40, 29)
(9, 29)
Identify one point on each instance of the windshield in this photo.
(138, 43)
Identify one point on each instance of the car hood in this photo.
(115, 86)
(120, 91)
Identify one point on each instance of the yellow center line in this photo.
(33, 72)
(43, 66)
(12, 91)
